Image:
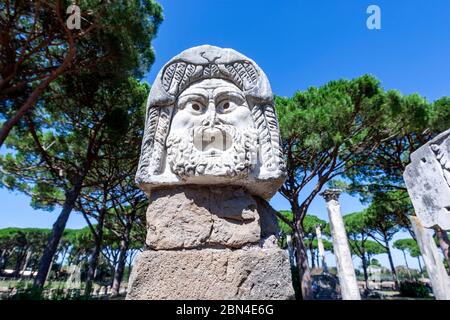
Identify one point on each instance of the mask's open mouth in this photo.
(212, 141)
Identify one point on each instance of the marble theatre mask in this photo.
(211, 120)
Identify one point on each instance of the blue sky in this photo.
(300, 44)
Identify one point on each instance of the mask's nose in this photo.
(211, 116)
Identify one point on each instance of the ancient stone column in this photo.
(344, 264)
(291, 250)
(210, 160)
(433, 262)
(321, 249)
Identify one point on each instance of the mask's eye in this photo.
(195, 107)
(226, 106)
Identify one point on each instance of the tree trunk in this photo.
(364, 266)
(118, 274)
(27, 260)
(406, 263)
(311, 251)
(2, 260)
(404, 257)
(391, 263)
(302, 263)
(420, 265)
(130, 265)
(51, 267)
(317, 259)
(124, 245)
(444, 243)
(19, 261)
(93, 261)
(57, 232)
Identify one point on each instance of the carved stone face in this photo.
(211, 120)
(212, 131)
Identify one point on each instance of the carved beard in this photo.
(186, 160)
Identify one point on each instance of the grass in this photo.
(24, 283)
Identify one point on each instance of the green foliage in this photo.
(16, 242)
(324, 116)
(409, 245)
(30, 292)
(27, 293)
(387, 215)
(375, 262)
(383, 170)
(309, 225)
(114, 42)
(285, 228)
(327, 245)
(327, 131)
(440, 118)
(374, 248)
(413, 289)
(356, 225)
(358, 231)
(309, 228)
(69, 131)
(371, 248)
(310, 239)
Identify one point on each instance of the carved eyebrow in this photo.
(183, 98)
(232, 95)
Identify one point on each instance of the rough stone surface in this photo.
(427, 178)
(255, 273)
(211, 120)
(195, 217)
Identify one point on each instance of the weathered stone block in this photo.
(254, 273)
(427, 178)
(215, 216)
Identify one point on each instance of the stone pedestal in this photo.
(210, 243)
(253, 273)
